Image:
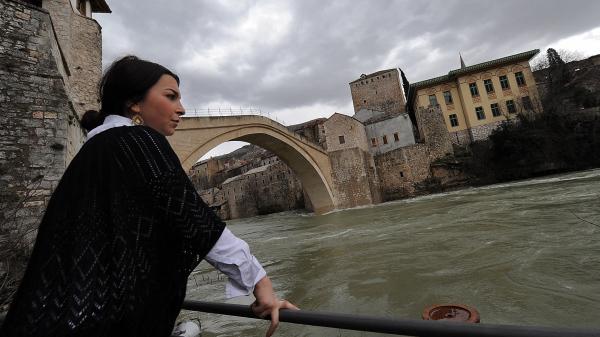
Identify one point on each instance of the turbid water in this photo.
(526, 252)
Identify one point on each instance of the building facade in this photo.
(476, 99)
(387, 132)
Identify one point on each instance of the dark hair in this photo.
(124, 83)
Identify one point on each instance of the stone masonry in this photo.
(353, 169)
(80, 41)
(379, 91)
(267, 189)
(41, 94)
(403, 171)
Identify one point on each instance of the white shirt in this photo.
(230, 255)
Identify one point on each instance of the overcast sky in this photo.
(295, 59)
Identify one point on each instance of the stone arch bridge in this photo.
(196, 136)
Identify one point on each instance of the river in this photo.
(526, 252)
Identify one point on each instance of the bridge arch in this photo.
(195, 136)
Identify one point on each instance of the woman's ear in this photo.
(135, 108)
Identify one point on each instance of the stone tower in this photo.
(381, 91)
(50, 64)
(433, 132)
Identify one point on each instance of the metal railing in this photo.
(231, 111)
(405, 327)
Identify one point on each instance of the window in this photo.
(504, 82)
(433, 100)
(489, 86)
(479, 112)
(373, 142)
(365, 101)
(510, 106)
(527, 103)
(396, 137)
(453, 120)
(384, 139)
(520, 78)
(342, 139)
(401, 174)
(474, 90)
(495, 109)
(447, 97)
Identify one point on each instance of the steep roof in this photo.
(453, 74)
(100, 6)
(383, 117)
(342, 115)
(364, 77)
(528, 55)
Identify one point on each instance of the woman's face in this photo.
(161, 108)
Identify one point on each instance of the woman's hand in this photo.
(267, 303)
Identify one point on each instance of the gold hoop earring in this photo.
(137, 120)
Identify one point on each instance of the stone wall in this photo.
(433, 131)
(405, 171)
(482, 132)
(79, 39)
(38, 126)
(355, 180)
(268, 189)
(460, 138)
(401, 170)
(86, 69)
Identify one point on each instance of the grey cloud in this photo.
(330, 43)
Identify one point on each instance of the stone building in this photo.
(50, 64)
(247, 182)
(366, 174)
(387, 132)
(353, 168)
(312, 130)
(266, 189)
(477, 98)
(382, 91)
(205, 174)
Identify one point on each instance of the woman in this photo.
(125, 228)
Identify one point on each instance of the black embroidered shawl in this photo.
(121, 234)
